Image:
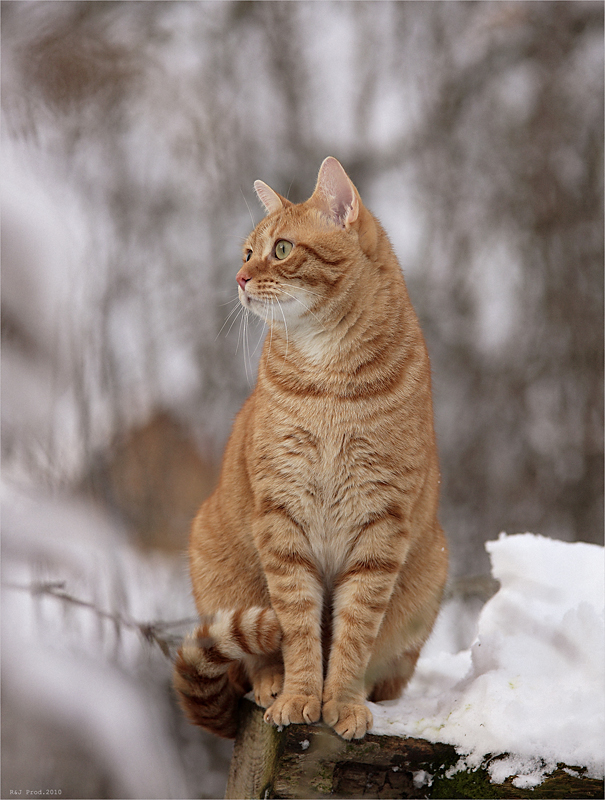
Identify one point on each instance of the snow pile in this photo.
(531, 684)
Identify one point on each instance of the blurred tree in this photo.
(511, 161)
(474, 130)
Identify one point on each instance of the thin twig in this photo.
(150, 631)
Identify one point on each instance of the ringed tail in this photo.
(209, 673)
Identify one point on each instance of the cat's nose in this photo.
(242, 279)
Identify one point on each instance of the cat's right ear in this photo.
(272, 201)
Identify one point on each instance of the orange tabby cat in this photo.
(318, 563)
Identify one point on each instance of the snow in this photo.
(80, 606)
(531, 684)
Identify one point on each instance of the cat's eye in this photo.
(247, 255)
(283, 248)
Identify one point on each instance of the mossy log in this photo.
(311, 761)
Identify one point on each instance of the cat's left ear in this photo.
(272, 201)
(335, 194)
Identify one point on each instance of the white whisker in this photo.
(260, 337)
(233, 313)
(248, 207)
(285, 324)
(247, 358)
(243, 321)
(240, 314)
(270, 326)
(229, 302)
(302, 289)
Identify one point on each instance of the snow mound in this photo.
(531, 684)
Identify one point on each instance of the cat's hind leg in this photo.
(392, 685)
(266, 673)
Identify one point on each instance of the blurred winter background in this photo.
(131, 134)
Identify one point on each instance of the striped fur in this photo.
(208, 675)
(326, 508)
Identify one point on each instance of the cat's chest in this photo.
(327, 503)
(327, 474)
(325, 460)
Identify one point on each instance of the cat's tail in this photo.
(209, 675)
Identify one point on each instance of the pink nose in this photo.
(242, 280)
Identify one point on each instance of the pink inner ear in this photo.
(334, 194)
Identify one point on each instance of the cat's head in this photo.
(302, 259)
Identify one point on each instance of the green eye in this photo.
(283, 248)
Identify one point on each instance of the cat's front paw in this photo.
(294, 708)
(349, 720)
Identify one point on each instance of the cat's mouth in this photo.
(247, 299)
(271, 308)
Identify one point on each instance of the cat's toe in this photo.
(294, 709)
(349, 720)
